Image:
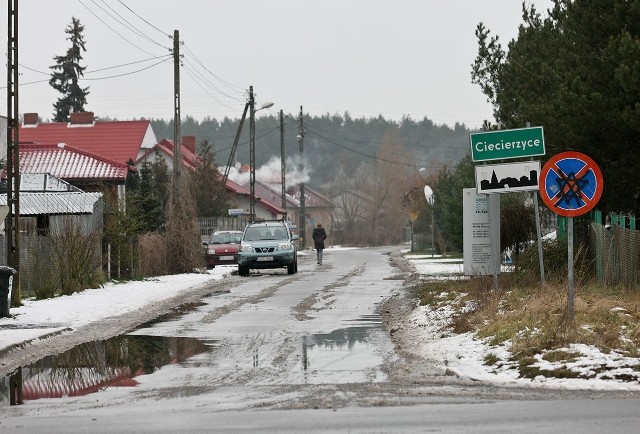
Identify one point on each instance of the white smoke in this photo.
(271, 172)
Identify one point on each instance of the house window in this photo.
(42, 225)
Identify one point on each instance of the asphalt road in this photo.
(310, 352)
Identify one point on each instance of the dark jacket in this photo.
(319, 235)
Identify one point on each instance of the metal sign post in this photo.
(571, 185)
(570, 265)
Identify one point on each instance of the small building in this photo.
(51, 207)
(86, 171)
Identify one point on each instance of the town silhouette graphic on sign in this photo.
(510, 182)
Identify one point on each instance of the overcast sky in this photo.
(365, 57)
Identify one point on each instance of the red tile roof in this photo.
(69, 163)
(273, 193)
(114, 140)
(166, 147)
(236, 188)
(267, 204)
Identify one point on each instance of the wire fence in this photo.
(208, 225)
(616, 252)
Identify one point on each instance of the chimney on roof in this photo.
(82, 118)
(189, 142)
(30, 119)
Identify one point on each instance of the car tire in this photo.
(243, 270)
(291, 268)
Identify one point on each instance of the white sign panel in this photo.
(235, 211)
(505, 178)
(481, 230)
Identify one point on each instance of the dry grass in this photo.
(67, 260)
(534, 320)
(152, 255)
(181, 236)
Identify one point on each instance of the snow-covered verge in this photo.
(425, 332)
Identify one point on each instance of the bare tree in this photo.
(182, 236)
(389, 180)
(349, 201)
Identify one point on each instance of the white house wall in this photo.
(148, 142)
(261, 213)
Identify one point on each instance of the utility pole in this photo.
(177, 157)
(252, 156)
(252, 151)
(282, 162)
(13, 160)
(232, 154)
(13, 178)
(303, 222)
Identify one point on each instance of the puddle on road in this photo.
(345, 355)
(349, 354)
(94, 366)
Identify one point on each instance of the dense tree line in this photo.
(330, 139)
(576, 73)
(364, 166)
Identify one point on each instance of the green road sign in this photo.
(504, 144)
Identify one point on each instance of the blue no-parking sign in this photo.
(570, 184)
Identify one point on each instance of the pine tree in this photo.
(66, 73)
(210, 197)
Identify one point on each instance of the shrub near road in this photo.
(531, 323)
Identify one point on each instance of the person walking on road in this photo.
(319, 235)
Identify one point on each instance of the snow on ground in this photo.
(462, 354)
(40, 317)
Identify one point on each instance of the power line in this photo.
(197, 82)
(226, 83)
(358, 152)
(247, 142)
(128, 25)
(128, 64)
(114, 31)
(128, 73)
(374, 157)
(141, 18)
(211, 85)
(194, 72)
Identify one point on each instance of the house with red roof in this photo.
(165, 150)
(118, 141)
(89, 152)
(79, 168)
(266, 209)
(318, 209)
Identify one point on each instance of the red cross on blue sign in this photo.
(570, 184)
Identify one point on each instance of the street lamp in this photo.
(428, 194)
(302, 218)
(252, 152)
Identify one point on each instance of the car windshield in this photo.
(225, 238)
(265, 233)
